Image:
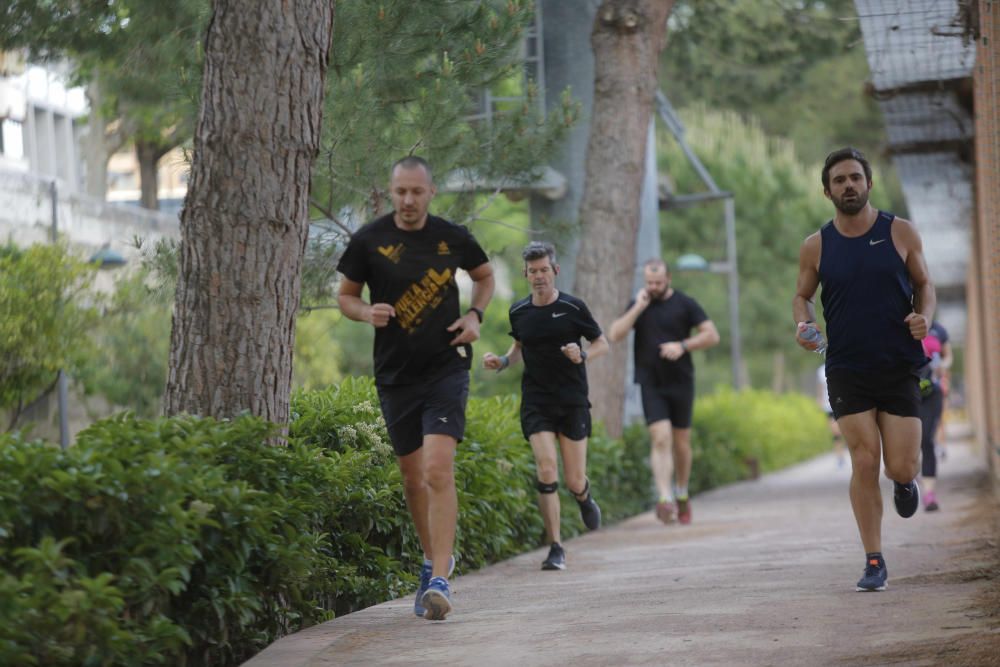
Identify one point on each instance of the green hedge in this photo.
(188, 541)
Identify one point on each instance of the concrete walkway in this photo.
(763, 576)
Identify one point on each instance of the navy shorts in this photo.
(674, 403)
(896, 392)
(412, 411)
(572, 421)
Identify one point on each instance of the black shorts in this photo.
(675, 403)
(572, 421)
(412, 411)
(896, 392)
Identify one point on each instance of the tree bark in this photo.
(148, 156)
(245, 220)
(627, 39)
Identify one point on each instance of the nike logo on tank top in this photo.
(866, 295)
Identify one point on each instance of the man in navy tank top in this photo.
(878, 300)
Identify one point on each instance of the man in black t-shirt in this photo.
(663, 319)
(547, 328)
(422, 353)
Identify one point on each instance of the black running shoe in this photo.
(876, 576)
(906, 497)
(590, 512)
(556, 559)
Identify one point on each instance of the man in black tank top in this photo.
(877, 302)
(548, 328)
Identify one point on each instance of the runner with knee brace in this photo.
(548, 328)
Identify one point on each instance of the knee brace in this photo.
(547, 487)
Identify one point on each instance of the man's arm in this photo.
(707, 336)
(482, 291)
(352, 305)
(620, 327)
(805, 288)
(495, 363)
(905, 236)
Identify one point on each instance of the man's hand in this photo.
(642, 298)
(672, 351)
(467, 326)
(492, 362)
(573, 352)
(918, 325)
(810, 345)
(379, 314)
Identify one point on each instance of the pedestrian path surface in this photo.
(764, 575)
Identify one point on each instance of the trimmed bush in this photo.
(187, 541)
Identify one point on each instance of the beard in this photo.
(851, 206)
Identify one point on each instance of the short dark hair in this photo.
(655, 264)
(847, 153)
(412, 162)
(537, 250)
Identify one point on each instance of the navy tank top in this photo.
(866, 296)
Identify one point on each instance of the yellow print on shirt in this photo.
(421, 297)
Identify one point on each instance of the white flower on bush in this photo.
(347, 434)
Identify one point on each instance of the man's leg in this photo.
(900, 446)
(861, 434)
(442, 499)
(682, 457)
(543, 446)
(661, 458)
(412, 468)
(574, 455)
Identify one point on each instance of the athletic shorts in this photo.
(674, 403)
(572, 421)
(412, 411)
(896, 392)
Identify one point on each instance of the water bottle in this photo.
(810, 334)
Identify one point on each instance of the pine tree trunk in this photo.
(148, 155)
(627, 39)
(245, 219)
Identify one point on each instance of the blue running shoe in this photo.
(556, 559)
(437, 599)
(425, 580)
(876, 576)
(906, 497)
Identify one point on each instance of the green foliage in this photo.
(187, 541)
(799, 68)
(133, 344)
(44, 319)
(407, 77)
(734, 434)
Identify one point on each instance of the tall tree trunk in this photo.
(148, 155)
(244, 224)
(627, 39)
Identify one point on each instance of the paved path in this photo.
(763, 576)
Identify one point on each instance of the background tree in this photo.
(627, 39)
(44, 322)
(245, 219)
(799, 68)
(140, 63)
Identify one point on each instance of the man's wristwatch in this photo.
(478, 312)
(684, 345)
(583, 355)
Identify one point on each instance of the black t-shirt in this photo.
(665, 321)
(549, 377)
(415, 272)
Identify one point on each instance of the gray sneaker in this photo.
(556, 559)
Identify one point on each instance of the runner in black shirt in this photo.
(422, 353)
(547, 328)
(663, 319)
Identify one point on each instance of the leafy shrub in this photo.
(735, 434)
(187, 541)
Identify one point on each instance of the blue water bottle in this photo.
(810, 334)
